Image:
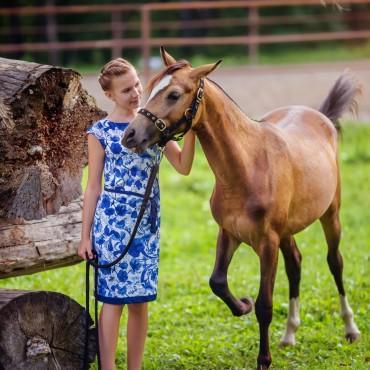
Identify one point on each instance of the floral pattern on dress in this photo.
(134, 279)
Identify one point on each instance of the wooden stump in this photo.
(42, 330)
(44, 113)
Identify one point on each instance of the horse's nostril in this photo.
(128, 138)
(131, 134)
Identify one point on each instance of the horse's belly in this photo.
(311, 200)
(304, 218)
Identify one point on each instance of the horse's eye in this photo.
(173, 96)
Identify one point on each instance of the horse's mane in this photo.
(221, 88)
(168, 71)
(237, 105)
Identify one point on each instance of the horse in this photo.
(273, 178)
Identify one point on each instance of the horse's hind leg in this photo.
(292, 259)
(331, 225)
(226, 246)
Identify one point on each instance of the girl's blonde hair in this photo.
(114, 68)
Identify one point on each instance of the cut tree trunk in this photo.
(40, 245)
(43, 331)
(44, 113)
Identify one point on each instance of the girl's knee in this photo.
(111, 309)
(138, 308)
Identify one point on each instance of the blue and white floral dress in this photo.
(134, 278)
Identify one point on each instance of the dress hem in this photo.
(126, 300)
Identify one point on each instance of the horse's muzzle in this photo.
(130, 141)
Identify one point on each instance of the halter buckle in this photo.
(188, 113)
(200, 94)
(159, 123)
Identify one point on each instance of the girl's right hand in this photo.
(85, 247)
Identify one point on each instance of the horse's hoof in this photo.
(263, 367)
(288, 339)
(245, 306)
(352, 337)
(249, 304)
(263, 362)
(286, 343)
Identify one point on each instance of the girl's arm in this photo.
(95, 170)
(181, 160)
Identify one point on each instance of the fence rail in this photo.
(145, 27)
(191, 24)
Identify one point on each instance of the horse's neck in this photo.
(228, 137)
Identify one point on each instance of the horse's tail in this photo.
(342, 97)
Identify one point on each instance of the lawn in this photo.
(190, 328)
(292, 54)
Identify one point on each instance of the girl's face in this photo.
(126, 90)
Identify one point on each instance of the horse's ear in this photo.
(167, 58)
(203, 71)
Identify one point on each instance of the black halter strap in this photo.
(168, 133)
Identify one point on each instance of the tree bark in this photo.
(41, 245)
(44, 113)
(43, 330)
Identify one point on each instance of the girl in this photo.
(109, 215)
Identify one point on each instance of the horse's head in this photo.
(173, 106)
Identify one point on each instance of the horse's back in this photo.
(297, 122)
(305, 131)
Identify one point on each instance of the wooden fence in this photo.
(146, 27)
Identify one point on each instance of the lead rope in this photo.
(95, 263)
(87, 294)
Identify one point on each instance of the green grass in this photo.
(190, 328)
(324, 52)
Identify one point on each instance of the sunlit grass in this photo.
(192, 329)
(324, 52)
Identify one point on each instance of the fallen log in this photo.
(40, 245)
(44, 113)
(43, 330)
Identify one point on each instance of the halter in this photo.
(168, 133)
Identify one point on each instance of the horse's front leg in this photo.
(268, 254)
(226, 246)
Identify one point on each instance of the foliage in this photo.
(192, 329)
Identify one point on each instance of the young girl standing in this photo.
(109, 215)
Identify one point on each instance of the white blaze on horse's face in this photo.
(163, 83)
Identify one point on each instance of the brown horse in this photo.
(274, 178)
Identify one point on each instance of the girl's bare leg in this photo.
(110, 315)
(137, 325)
